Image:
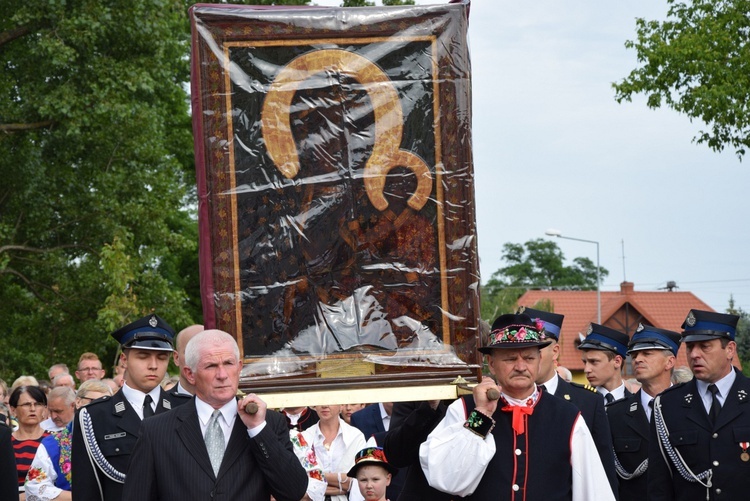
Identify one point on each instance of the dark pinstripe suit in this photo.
(170, 462)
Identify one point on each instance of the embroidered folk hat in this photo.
(647, 337)
(707, 325)
(371, 456)
(552, 321)
(516, 331)
(148, 333)
(603, 338)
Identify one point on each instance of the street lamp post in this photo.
(558, 234)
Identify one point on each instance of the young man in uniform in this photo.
(604, 352)
(106, 430)
(653, 353)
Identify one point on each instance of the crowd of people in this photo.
(528, 432)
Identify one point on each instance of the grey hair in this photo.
(93, 385)
(64, 392)
(205, 339)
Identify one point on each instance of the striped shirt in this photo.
(25, 450)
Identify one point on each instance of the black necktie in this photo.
(609, 398)
(713, 414)
(542, 388)
(148, 411)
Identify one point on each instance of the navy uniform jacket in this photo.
(8, 473)
(591, 405)
(702, 445)
(115, 426)
(630, 435)
(170, 462)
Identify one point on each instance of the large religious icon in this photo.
(333, 149)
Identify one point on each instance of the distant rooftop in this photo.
(622, 310)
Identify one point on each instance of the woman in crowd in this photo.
(49, 475)
(348, 409)
(335, 444)
(27, 404)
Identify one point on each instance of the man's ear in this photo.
(124, 360)
(188, 374)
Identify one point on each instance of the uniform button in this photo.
(518, 452)
(117, 449)
(716, 463)
(718, 491)
(715, 435)
(515, 487)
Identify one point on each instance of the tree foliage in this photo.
(697, 62)
(742, 336)
(537, 264)
(98, 177)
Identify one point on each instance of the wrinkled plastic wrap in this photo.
(335, 185)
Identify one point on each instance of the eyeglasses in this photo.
(89, 369)
(30, 405)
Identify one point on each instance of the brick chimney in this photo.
(626, 288)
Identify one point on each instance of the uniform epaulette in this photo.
(98, 401)
(584, 386)
(673, 387)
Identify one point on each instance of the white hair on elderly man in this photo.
(203, 339)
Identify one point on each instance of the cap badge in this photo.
(690, 320)
(590, 330)
(640, 328)
(153, 322)
(521, 309)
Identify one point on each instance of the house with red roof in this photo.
(622, 310)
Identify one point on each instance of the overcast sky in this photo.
(552, 149)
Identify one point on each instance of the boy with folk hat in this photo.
(372, 472)
(526, 445)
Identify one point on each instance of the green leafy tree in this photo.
(96, 225)
(697, 62)
(742, 336)
(537, 264)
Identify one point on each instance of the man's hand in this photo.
(252, 420)
(484, 403)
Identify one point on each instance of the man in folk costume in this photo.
(105, 431)
(527, 445)
(653, 353)
(700, 430)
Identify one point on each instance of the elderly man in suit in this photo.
(211, 448)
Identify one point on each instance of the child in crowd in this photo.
(372, 472)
